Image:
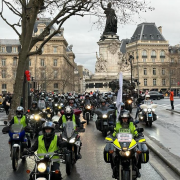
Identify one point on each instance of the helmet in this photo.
(42, 98)
(34, 103)
(124, 114)
(56, 98)
(48, 125)
(49, 99)
(19, 111)
(103, 101)
(122, 106)
(87, 96)
(68, 110)
(62, 97)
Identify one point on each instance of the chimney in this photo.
(160, 29)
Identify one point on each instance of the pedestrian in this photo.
(171, 93)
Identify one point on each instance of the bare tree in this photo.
(61, 11)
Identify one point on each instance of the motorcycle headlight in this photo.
(15, 136)
(129, 101)
(153, 109)
(55, 104)
(32, 117)
(72, 140)
(44, 110)
(149, 110)
(59, 107)
(41, 167)
(125, 153)
(48, 115)
(88, 107)
(36, 117)
(145, 110)
(61, 104)
(105, 116)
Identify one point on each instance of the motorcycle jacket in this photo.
(23, 121)
(131, 127)
(73, 118)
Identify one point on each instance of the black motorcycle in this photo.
(105, 120)
(128, 104)
(72, 138)
(87, 112)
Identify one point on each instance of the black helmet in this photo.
(122, 106)
(124, 114)
(103, 101)
(19, 111)
(34, 103)
(48, 125)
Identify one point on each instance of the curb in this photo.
(173, 111)
(164, 156)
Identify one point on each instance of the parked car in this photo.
(156, 95)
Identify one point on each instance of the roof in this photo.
(123, 45)
(174, 49)
(148, 32)
(9, 42)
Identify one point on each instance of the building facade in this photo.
(152, 61)
(53, 70)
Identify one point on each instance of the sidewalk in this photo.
(175, 97)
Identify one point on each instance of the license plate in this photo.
(149, 115)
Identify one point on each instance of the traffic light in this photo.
(28, 76)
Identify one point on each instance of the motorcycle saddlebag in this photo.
(145, 152)
(107, 155)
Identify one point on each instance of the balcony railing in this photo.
(144, 56)
(162, 56)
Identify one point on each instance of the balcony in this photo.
(153, 56)
(144, 56)
(162, 56)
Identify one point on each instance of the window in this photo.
(144, 60)
(29, 62)
(153, 60)
(4, 86)
(55, 49)
(3, 73)
(14, 49)
(154, 71)
(3, 62)
(55, 85)
(55, 74)
(144, 53)
(42, 62)
(3, 49)
(162, 59)
(154, 82)
(145, 82)
(172, 71)
(153, 53)
(163, 82)
(55, 62)
(14, 61)
(162, 53)
(43, 74)
(163, 71)
(145, 71)
(14, 73)
(172, 81)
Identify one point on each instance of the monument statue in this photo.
(124, 65)
(100, 64)
(111, 19)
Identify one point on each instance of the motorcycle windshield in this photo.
(69, 128)
(41, 104)
(147, 102)
(87, 102)
(16, 128)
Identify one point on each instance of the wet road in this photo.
(90, 167)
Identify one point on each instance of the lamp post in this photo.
(131, 58)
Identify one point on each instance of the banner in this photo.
(119, 96)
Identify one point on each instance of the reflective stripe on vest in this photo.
(73, 120)
(41, 152)
(22, 121)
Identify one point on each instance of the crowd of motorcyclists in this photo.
(51, 114)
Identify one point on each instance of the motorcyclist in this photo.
(41, 103)
(34, 108)
(70, 116)
(48, 143)
(20, 118)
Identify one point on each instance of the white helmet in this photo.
(68, 110)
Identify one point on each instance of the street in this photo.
(92, 166)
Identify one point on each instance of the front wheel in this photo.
(104, 133)
(150, 123)
(68, 164)
(87, 118)
(126, 175)
(15, 154)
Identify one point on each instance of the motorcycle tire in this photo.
(150, 123)
(147, 123)
(87, 118)
(104, 133)
(126, 175)
(15, 158)
(68, 164)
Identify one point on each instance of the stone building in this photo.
(51, 71)
(152, 61)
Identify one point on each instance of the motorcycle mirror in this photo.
(5, 122)
(28, 110)
(140, 130)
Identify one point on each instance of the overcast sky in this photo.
(80, 33)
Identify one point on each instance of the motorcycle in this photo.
(17, 142)
(35, 121)
(56, 108)
(104, 120)
(128, 104)
(42, 169)
(87, 112)
(125, 153)
(147, 113)
(72, 138)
